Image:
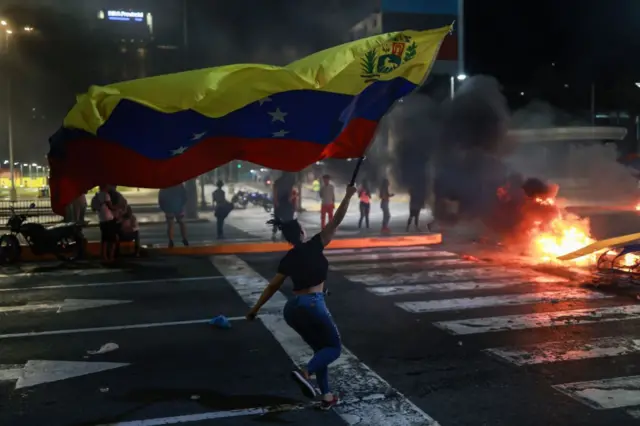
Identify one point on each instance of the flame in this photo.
(561, 234)
(638, 207)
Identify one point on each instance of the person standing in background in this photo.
(295, 198)
(315, 187)
(101, 204)
(129, 230)
(172, 202)
(80, 208)
(365, 205)
(417, 201)
(221, 208)
(282, 200)
(385, 195)
(327, 200)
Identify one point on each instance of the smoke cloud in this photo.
(463, 150)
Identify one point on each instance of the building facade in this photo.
(399, 15)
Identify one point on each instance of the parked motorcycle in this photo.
(65, 240)
(240, 200)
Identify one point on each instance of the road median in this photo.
(126, 249)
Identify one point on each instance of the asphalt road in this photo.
(430, 336)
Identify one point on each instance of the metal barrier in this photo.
(41, 213)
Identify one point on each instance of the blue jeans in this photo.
(308, 315)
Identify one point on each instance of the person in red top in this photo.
(327, 200)
(365, 205)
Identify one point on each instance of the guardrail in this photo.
(41, 213)
(569, 134)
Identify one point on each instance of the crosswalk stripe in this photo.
(331, 252)
(617, 392)
(462, 274)
(417, 255)
(394, 265)
(503, 300)
(540, 320)
(635, 413)
(570, 350)
(454, 286)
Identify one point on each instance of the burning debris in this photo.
(528, 216)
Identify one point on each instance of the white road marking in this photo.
(462, 303)
(9, 373)
(351, 377)
(110, 328)
(452, 286)
(539, 320)
(114, 283)
(549, 352)
(635, 413)
(425, 264)
(200, 417)
(440, 275)
(368, 257)
(37, 372)
(605, 394)
(21, 273)
(67, 305)
(259, 411)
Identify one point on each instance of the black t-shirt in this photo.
(305, 264)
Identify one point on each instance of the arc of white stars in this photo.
(278, 115)
(179, 151)
(263, 100)
(280, 134)
(197, 136)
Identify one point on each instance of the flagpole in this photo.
(356, 170)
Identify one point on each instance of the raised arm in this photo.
(330, 230)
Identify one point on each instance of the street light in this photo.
(462, 77)
(13, 195)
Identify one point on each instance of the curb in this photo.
(270, 247)
(92, 248)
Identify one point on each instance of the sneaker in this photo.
(306, 386)
(328, 405)
(171, 244)
(185, 243)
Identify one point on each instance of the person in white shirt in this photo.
(327, 200)
(101, 204)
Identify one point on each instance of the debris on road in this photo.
(220, 322)
(107, 347)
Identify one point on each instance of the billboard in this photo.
(124, 15)
(431, 7)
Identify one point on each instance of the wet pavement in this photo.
(429, 336)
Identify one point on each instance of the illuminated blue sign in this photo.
(124, 15)
(430, 7)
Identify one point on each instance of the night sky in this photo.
(586, 39)
(525, 44)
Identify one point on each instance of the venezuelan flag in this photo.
(160, 131)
